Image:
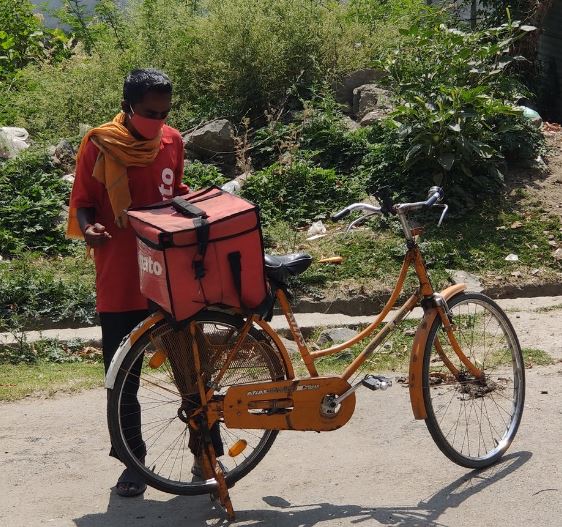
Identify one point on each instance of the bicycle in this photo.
(226, 377)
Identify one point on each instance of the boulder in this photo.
(12, 141)
(64, 155)
(212, 139)
(373, 117)
(343, 90)
(368, 98)
(349, 123)
(472, 281)
(335, 336)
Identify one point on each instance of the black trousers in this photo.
(114, 327)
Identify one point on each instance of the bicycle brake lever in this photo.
(443, 214)
(358, 221)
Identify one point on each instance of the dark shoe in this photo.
(197, 469)
(130, 484)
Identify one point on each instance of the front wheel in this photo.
(156, 389)
(474, 420)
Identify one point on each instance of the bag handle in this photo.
(188, 209)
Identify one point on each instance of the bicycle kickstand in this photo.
(213, 469)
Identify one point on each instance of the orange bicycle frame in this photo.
(413, 258)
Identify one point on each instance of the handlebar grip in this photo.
(341, 214)
(435, 194)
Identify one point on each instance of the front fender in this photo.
(125, 346)
(416, 358)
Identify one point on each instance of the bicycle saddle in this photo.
(280, 268)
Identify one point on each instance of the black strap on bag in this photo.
(235, 262)
(201, 229)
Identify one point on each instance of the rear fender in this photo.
(125, 346)
(416, 358)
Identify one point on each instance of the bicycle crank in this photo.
(373, 382)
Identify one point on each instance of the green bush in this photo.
(457, 116)
(329, 142)
(32, 195)
(34, 288)
(317, 134)
(199, 175)
(47, 351)
(298, 192)
(25, 40)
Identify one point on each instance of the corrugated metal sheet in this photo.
(550, 57)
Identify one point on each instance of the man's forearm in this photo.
(85, 216)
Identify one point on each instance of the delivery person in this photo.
(132, 161)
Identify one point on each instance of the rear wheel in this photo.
(168, 385)
(473, 421)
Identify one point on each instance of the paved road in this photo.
(381, 469)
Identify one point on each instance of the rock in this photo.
(462, 277)
(350, 124)
(68, 177)
(557, 254)
(290, 345)
(215, 138)
(344, 89)
(517, 225)
(373, 117)
(335, 336)
(516, 274)
(368, 98)
(512, 258)
(64, 155)
(12, 141)
(552, 244)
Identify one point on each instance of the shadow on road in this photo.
(200, 510)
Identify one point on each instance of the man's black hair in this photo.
(139, 82)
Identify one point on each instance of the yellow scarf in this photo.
(118, 149)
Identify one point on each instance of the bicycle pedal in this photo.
(376, 382)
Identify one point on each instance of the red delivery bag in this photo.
(200, 249)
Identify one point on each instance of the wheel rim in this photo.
(477, 420)
(169, 460)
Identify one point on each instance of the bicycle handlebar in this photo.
(435, 195)
(355, 206)
(341, 214)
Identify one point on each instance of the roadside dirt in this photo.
(543, 185)
(380, 469)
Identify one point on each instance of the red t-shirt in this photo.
(117, 275)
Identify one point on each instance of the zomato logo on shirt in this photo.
(167, 186)
(148, 265)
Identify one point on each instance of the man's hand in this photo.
(96, 235)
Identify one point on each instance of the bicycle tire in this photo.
(258, 361)
(473, 422)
